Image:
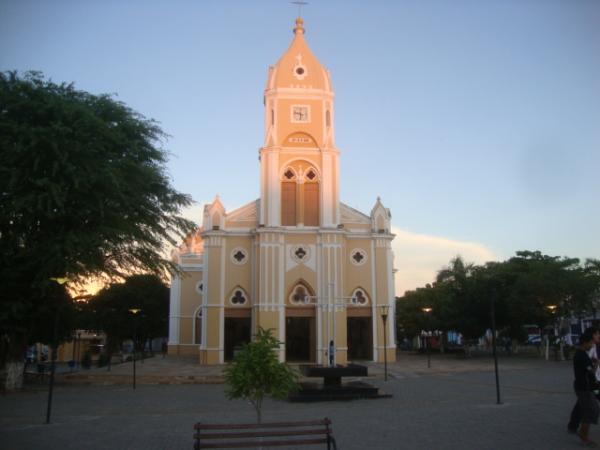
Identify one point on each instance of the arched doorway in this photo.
(237, 322)
(360, 327)
(300, 326)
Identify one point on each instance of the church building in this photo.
(296, 260)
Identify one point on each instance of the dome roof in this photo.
(299, 67)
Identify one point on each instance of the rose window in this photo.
(300, 253)
(238, 297)
(358, 257)
(299, 295)
(239, 256)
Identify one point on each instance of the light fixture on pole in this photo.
(328, 306)
(494, 352)
(427, 310)
(552, 310)
(135, 312)
(61, 281)
(384, 315)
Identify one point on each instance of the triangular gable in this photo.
(246, 213)
(351, 215)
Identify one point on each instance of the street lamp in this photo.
(78, 357)
(494, 352)
(60, 281)
(552, 310)
(135, 312)
(384, 315)
(328, 306)
(427, 310)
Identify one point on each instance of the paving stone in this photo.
(452, 406)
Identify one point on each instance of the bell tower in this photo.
(299, 162)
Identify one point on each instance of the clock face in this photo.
(300, 113)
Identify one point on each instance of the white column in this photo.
(391, 331)
(319, 309)
(280, 301)
(375, 309)
(273, 189)
(222, 306)
(327, 187)
(262, 213)
(174, 310)
(205, 291)
(337, 218)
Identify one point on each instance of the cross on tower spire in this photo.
(300, 4)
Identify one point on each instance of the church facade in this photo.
(296, 260)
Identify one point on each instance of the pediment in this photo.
(351, 215)
(246, 213)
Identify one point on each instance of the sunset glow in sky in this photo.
(477, 123)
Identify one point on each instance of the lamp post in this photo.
(328, 306)
(427, 310)
(552, 309)
(60, 281)
(72, 362)
(78, 360)
(384, 315)
(135, 312)
(493, 311)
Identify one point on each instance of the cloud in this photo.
(194, 212)
(418, 257)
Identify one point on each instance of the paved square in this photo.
(436, 409)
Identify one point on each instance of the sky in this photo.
(476, 122)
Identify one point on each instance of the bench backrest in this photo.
(273, 434)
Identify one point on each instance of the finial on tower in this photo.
(299, 26)
(299, 22)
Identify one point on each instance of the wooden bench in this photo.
(274, 434)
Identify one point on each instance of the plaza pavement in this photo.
(450, 406)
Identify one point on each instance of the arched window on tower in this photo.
(288, 198)
(300, 195)
(328, 118)
(311, 198)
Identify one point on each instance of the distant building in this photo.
(282, 261)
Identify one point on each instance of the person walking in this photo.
(575, 418)
(585, 385)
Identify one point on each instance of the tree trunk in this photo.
(12, 366)
(467, 349)
(11, 376)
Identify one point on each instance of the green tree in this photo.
(84, 192)
(466, 310)
(256, 372)
(109, 310)
(410, 318)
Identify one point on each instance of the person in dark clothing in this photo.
(575, 418)
(585, 385)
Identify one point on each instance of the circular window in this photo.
(200, 287)
(359, 298)
(300, 253)
(300, 72)
(299, 295)
(238, 298)
(239, 256)
(358, 257)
